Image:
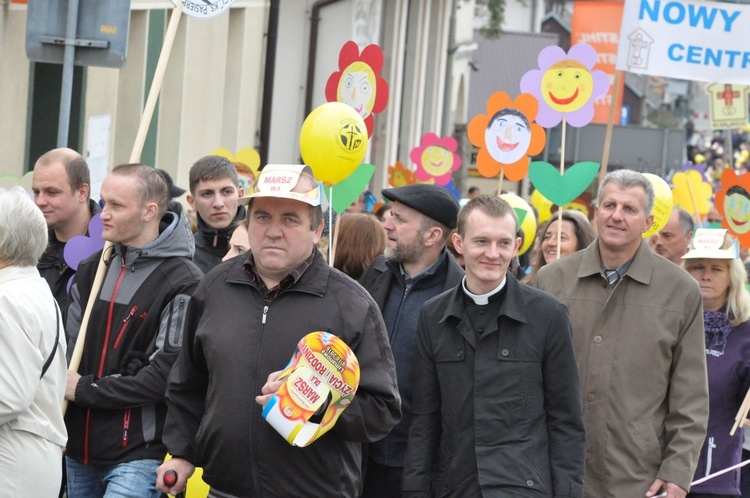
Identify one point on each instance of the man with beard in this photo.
(415, 268)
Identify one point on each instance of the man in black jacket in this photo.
(243, 325)
(117, 409)
(497, 406)
(214, 192)
(416, 267)
(61, 186)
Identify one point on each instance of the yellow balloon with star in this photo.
(526, 218)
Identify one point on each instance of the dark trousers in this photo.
(699, 495)
(745, 479)
(382, 481)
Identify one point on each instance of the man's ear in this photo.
(458, 243)
(318, 232)
(649, 222)
(83, 193)
(151, 211)
(517, 245)
(191, 201)
(433, 236)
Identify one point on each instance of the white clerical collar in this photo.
(482, 299)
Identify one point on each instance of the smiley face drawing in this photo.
(437, 161)
(398, 175)
(737, 209)
(732, 202)
(508, 136)
(357, 82)
(357, 88)
(567, 85)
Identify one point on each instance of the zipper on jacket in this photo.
(104, 354)
(265, 312)
(125, 427)
(710, 454)
(103, 357)
(216, 238)
(86, 438)
(124, 326)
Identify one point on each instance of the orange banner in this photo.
(598, 24)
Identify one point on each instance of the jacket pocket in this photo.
(517, 383)
(173, 322)
(466, 486)
(648, 441)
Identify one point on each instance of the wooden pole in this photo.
(696, 214)
(153, 94)
(739, 420)
(610, 124)
(135, 156)
(500, 183)
(562, 171)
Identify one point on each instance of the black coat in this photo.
(233, 340)
(500, 413)
(212, 245)
(381, 281)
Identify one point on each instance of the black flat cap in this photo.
(430, 200)
(174, 190)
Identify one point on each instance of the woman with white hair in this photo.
(32, 357)
(713, 262)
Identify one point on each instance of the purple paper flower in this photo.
(566, 85)
(81, 247)
(700, 168)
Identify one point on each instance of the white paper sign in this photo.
(686, 39)
(203, 8)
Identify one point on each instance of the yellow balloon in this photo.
(333, 141)
(542, 205)
(662, 203)
(528, 225)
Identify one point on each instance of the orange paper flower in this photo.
(733, 203)
(512, 133)
(398, 175)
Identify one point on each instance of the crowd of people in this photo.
(611, 365)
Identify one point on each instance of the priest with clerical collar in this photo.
(497, 404)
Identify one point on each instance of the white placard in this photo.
(98, 134)
(203, 9)
(686, 39)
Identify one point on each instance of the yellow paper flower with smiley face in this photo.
(566, 85)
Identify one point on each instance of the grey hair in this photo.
(23, 230)
(687, 224)
(627, 178)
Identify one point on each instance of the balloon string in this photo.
(330, 225)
